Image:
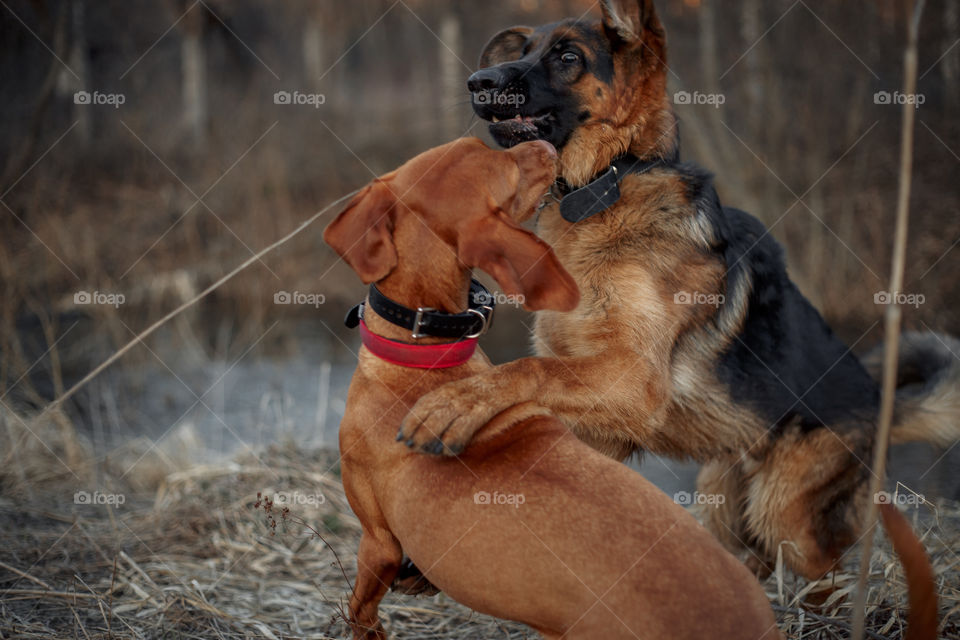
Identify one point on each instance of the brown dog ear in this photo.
(523, 264)
(363, 232)
(632, 20)
(506, 46)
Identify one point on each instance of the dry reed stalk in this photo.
(892, 319)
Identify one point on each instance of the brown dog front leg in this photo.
(377, 563)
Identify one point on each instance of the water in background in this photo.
(213, 409)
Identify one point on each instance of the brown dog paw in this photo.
(371, 631)
(444, 421)
(411, 582)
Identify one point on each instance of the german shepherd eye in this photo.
(569, 57)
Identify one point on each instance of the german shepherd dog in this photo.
(690, 340)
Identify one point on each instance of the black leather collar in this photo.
(603, 191)
(424, 321)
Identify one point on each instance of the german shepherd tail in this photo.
(927, 407)
(921, 590)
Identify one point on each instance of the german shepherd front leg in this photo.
(450, 417)
(378, 560)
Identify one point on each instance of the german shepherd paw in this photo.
(444, 421)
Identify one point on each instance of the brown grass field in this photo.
(188, 554)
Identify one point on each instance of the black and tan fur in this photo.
(757, 388)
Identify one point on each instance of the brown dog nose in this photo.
(550, 149)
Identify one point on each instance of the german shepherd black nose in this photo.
(485, 80)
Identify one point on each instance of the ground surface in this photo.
(194, 559)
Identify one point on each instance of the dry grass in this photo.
(188, 556)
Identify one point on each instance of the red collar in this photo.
(420, 356)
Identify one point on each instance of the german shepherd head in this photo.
(594, 89)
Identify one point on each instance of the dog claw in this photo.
(435, 447)
(399, 435)
(410, 443)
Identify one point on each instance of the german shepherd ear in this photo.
(363, 232)
(522, 264)
(632, 20)
(506, 46)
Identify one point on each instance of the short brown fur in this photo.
(633, 566)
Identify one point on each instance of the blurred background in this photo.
(149, 147)
(146, 148)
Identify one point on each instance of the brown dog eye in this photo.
(569, 57)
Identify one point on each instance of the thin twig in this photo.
(189, 303)
(4, 565)
(892, 317)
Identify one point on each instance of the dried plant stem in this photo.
(189, 303)
(892, 318)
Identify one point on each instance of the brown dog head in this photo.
(453, 208)
(593, 89)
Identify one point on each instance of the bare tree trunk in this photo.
(710, 134)
(950, 66)
(312, 46)
(20, 157)
(776, 118)
(751, 33)
(451, 74)
(708, 45)
(194, 69)
(68, 83)
(710, 79)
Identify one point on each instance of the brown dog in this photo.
(690, 340)
(529, 524)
